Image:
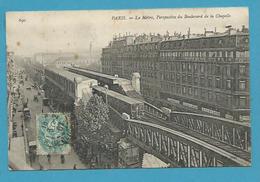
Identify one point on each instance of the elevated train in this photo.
(123, 104)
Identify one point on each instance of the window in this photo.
(177, 66)
(190, 91)
(242, 69)
(228, 71)
(210, 82)
(202, 68)
(172, 66)
(202, 81)
(178, 89)
(218, 84)
(242, 85)
(230, 54)
(178, 77)
(162, 78)
(190, 79)
(189, 67)
(203, 94)
(196, 92)
(210, 96)
(228, 84)
(242, 101)
(184, 90)
(195, 68)
(184, 78)
(246, 54)
(196, 80)
(209, 66)
(220, 54)
(217, 97)
(217, 70)
(183, 67)
(229, 100)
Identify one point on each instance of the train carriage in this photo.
(123, 104)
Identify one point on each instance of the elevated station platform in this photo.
(121, 85)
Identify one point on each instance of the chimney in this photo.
(229, 27)
(243, 28)
(189, 33)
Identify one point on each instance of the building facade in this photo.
(206, 73)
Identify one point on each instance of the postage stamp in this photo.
(53, 133)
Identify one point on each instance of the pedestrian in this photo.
(75, 166)
(49, 158)
(62, 159)
(41, 167)
(22, 129)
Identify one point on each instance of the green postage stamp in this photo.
(53, 133)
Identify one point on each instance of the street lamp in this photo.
(106, 86)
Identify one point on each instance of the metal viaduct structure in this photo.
(183, 139)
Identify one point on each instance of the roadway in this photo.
(29, 127)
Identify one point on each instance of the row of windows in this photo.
(216, 42)
(204, 81)
(133, 48)
(211, 69)
(141, 65)
(206, 95)
(179, 66)
(199, 54)
(184, 54)
(148, 91)
(135, 55)
(140, 47)
(148, 74)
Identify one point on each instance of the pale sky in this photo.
(69, 31)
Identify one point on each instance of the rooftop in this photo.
(69, 75)
(99, 74)
(152, 37)
(117, 95)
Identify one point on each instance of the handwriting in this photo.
(22, 20)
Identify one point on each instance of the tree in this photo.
(92, 132)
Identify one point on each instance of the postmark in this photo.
(54, 133)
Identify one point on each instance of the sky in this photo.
(28, 33)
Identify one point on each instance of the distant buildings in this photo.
(205, 73)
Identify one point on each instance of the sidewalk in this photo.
(55, 163)
(16, 154)
(37, 108)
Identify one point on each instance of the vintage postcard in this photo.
(151, 88)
